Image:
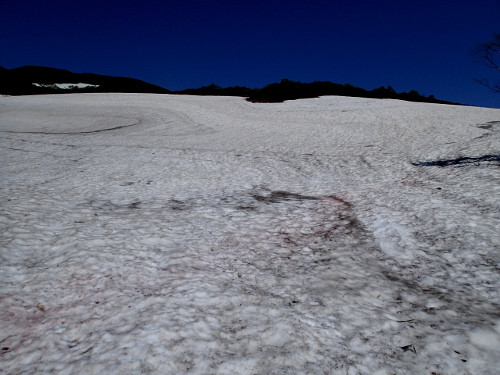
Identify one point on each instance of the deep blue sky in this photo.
(411, 45)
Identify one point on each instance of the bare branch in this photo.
(489, 54)
(492, 86)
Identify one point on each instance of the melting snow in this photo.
(174, 234)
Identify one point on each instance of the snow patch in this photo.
(66, 86)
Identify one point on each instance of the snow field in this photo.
(177, 234)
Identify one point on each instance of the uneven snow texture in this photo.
(208, 235)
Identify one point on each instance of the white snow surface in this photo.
(66, 86)
(173, 234)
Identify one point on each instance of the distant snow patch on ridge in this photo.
(66, 86)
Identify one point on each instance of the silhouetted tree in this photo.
(489, 54)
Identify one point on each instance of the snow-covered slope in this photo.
(208, 235)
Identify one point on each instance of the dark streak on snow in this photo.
(72, 133)
(280, 196)
(460, 161)
(488, 125)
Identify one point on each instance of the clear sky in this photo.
(411, 45)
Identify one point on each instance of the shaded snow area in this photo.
(208, 235)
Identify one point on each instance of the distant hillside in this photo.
(289, 90)
(29, 80)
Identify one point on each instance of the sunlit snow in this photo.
(209, 235)
(66, 86)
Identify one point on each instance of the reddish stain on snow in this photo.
(338, 199)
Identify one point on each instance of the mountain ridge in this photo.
(33, 80)
(20, 81)
(291, 90)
